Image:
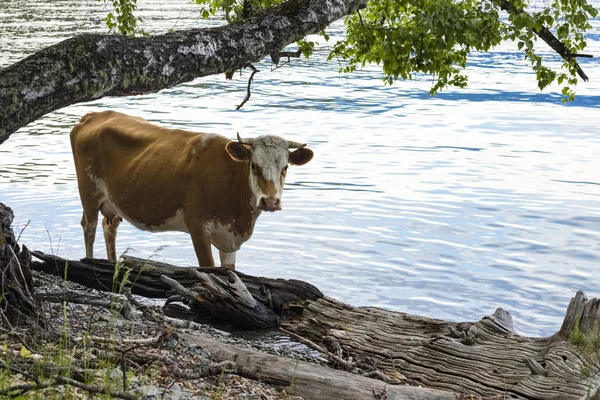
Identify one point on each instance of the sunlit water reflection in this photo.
(447, 207)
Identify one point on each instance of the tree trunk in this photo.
(91, 66)
(485, 357)
(19, 305)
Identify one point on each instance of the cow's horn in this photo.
(295, 145)
(244, 141)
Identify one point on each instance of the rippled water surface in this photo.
(447, 207)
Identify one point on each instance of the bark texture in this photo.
(19, 304)
(229, 300)
(91, 66)
(217, 295)
(145, 277)
(308, 380)
(486, 357)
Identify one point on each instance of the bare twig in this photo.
(77, 298)
(19, 371)
(254, 71)
(20, 390)
(93, 389)
(20, 233)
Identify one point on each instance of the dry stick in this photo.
(138, 342)
(254, 71)
(93, 389)
(90, 300)
(348, 365)
(24, 389)
(57, 379)
(19, 371)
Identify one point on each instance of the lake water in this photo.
(447, 207)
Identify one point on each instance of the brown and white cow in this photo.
(162, 179)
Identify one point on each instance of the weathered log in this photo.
(246, 302)
(19, 304)
(145, 277)
(485, 357)
(230, 300)
(310, 380)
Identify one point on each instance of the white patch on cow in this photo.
(227, 259)
(223, 238)
(175, 223)
(271, 154)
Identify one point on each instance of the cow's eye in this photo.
(253, 166)
(284, 170)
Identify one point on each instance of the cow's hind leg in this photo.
(227, 260)
(109, 226)
(89, 223)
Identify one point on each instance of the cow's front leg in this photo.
(201, 240)
(227, 260)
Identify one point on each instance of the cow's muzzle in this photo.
(269, 204)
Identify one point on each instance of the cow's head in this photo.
(268, 158)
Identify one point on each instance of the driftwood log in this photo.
(145, 277)
(238, 299)
(309, 380)
(485, 358)
(230, 300)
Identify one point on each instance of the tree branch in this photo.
(551, 40)
(91, 66)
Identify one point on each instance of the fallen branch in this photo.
(93, 389)
(20, 390)
(115, 302)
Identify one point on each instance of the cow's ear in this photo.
(238, 151)
(301, 156)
